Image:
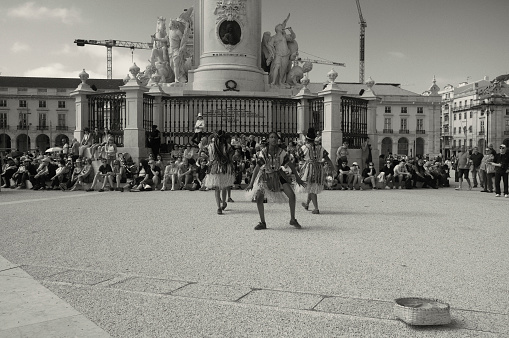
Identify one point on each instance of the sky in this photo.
(407, 41)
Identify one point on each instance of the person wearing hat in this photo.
(199, 127)
(27, 171)
(313, 171)
(42, 174)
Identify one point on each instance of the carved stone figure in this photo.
(282, 49)
(178, 36)
(297, 73)
(145, 76)
(160, 42)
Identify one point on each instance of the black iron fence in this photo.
(316, 109)
(148, 112)
(236, 115)
(108, 111)
(355, 121)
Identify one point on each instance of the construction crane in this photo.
(322, 62)
(109, 45)
(363, 33)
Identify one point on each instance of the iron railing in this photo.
(387, 131)
(148, 112)
(355, 121)
(108, 111)
(316, 108)
(235, 115)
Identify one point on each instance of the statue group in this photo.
(280, 57)
(169, 61)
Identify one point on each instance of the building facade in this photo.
(38, 112)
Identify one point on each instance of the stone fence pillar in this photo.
(303, 111)
(82, 112)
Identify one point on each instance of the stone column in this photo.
(332, 134)
(158, 110)
(303, 109)
(81, 100)
(370, 96)
(134, 133)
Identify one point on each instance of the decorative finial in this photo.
(84, 76)
(370, 83)
(305, 81)
(332, 75)
(134, 70)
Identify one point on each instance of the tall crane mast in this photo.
(361, 51)
(109, 45)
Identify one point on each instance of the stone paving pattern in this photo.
(164, 264)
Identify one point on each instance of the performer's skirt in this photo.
(270, 185)
(313, 173)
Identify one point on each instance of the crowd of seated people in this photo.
(187, 169)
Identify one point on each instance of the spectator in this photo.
(102, 175)
(501, 163)
(185, 173)
(199, 127)
(156, 171)
(170, 175)
(401, 174)
(476, 158)
(189, 152)
(8, 170)
(74, 149)
(487, 170)
(28, 174)
(42, 174)
(366, 153)
(463, 168)
(201, 173)
(355, 174)
(96, 136)
(110, 151)
(78, 167)
(86, 175)
(159, 162)
(175, 152)
(154, 140)
(117, 176)
(204, 143)
(59, 180)
(144, 181)
(386, 174)
(369, 175)
(86, 141)
(65, 147)
(342, 154)
(345, 177)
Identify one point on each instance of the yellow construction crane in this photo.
(109, 45)
(363, 33)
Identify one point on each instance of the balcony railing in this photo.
(388, 131)
(506, 132)
(420, 131)
(42, 127)
(22, 127)
(4, 127)
(62, 127)
(404, 131)
(481, 132)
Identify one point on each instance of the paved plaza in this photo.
(164, 264)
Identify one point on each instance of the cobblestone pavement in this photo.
(165, 264)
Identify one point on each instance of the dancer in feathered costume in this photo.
(269, 180)
(221, 175)
(312, 170)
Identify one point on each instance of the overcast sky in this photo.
(407, 41)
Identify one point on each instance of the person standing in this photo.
(487, 170)
(221, 175)
(476, 158)
(501, 163)
(199, 127)
(270, 181)
(342, 154)
(313, 171)
(154, 140)
(463, 167)
(366, 153)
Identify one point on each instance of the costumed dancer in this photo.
(270, 181)
(313, 170)
(222, 174)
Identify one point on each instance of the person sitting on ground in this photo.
(86, 175)
(60, 177)
(175, 151)
(102, 175)
(28, 174)
(186, 173)
(78, 167)
(144, 181)
(422, 175)
(355, 173)
(203, 144)
(386, 174)
(18, 175)
(201, 173)
(96, 136)
(369, 175)
(345, 178)
(342, 154)
(9, 169)
(86, 141)
(170, 175)
(42, 174)
(401, 174)
(189, 152)
(110, 150)
(74, 149)
(156, 171)
(160, 162)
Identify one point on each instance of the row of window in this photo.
(23, 120)
(404, 110)
(403, 124)
(23, 104)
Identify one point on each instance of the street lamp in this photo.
(488, 104)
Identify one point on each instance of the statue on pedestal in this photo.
(282, 49)
(178, 37)
(159, 60)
